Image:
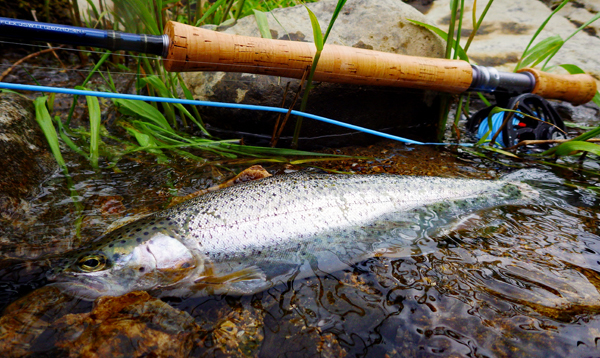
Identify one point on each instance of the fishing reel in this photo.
(534, 119)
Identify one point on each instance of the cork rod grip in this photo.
(196, 49)
(577, 89)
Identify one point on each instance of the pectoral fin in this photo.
(245, 274)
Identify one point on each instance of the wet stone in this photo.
(239, 333)
(24, 320)
(132, 325)
(24, 156)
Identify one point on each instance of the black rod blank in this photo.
(81, 36)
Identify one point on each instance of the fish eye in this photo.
(90, 263)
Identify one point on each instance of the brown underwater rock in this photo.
(24, 156)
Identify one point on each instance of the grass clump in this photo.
(535, 53)
(160, 130)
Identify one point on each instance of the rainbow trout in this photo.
(252, 236)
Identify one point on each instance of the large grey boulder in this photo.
(379, 25)
(509, 26)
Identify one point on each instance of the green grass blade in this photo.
(158, 16)
(42, 116)
(450, 41)
(575, 147)
(147, 143)
(334, 17)
(317, 33)
(142, 12)
(63, 135)
(459, 29)
(209, 12)
(263, 24)
(95, 118)
(483, 99)
(500, 151)
(319, 43)
(582, 137)
(143, 110)
(157, 131)
(519, 64)
(570, 36)
(540, 51)
(461, 53)
(159, 85)
(87, 79)
(588, 135)
(572, 69)
(94, 9)
(578, 126)
(188, 95)
(257, 151)
(477, 25)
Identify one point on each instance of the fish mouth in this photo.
(86, 288)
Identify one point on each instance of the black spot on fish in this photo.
(116, 257)
(138, 229)
(123, 241)
(154, 228)
(139, 239)
(142, 269)
(111, 245)
(145, 232)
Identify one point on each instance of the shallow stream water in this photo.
(520, 279)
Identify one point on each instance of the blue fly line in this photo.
(71, 91)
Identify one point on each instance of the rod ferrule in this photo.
(166, 43)
(485, 79)
(488, 79)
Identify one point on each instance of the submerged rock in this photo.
(239, 333)
(26, 162)
(133, 325)
(24, 156)
(380, 26)
(24, 320)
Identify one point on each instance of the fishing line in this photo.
(35, 88)
(68, 91)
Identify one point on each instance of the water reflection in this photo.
(516, 278)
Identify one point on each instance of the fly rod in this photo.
(187, 48)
